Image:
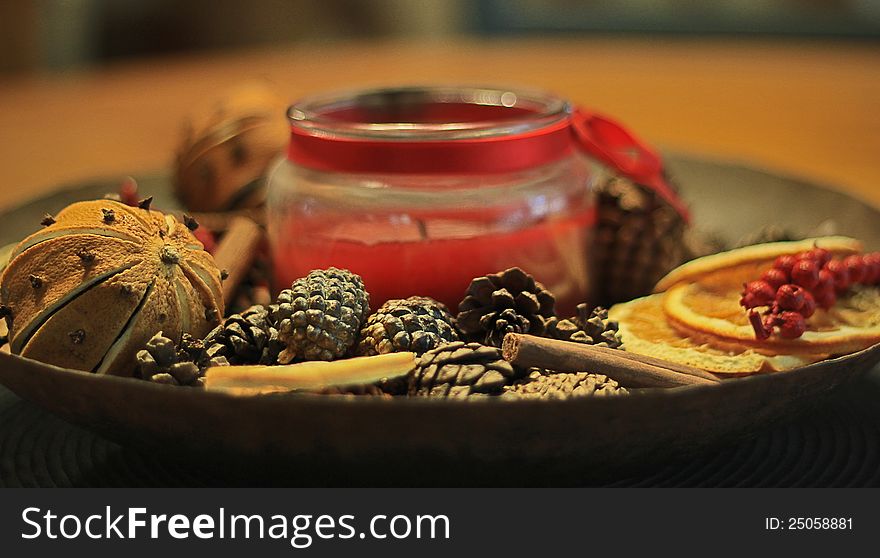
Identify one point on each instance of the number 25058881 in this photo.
(807, 523)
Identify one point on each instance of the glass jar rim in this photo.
(442, 113)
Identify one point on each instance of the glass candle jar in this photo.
(419, 190)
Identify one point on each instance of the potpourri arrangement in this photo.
(633, 296)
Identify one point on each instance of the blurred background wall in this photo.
(52, 35)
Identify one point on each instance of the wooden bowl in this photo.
(340, 440)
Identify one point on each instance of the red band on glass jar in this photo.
(511, 153)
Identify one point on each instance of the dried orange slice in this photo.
(702, 300)
(746, 264)
(700, 309)
(698, 319)
(645, 330)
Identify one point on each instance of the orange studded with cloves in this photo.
(89, 289)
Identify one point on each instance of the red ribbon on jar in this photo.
(612, 144)
(596, 135)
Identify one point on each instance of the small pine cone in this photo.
(416, 324)
(460, 369)
(163, 362)
(320, 315)
(501, 303)
(638, 239)
(191, 349)
(591, 327)
(504, 322)
(246, 338)
(545, 384)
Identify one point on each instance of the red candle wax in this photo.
(401, 257)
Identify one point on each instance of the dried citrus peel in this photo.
(309, 376)
(29, 319)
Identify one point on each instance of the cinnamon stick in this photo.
(566, 356)
(674, 366)
(236, 252)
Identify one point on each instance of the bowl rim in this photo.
(8, 359)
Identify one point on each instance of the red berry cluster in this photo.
(798, 284)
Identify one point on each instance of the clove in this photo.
(190, 223)
(87, 256)
(77, 337)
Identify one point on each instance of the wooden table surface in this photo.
(804, 108)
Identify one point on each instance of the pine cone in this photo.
(184, 365)
(320, 315)
(591, 327)
(547, 384)
(460, 369)
(501, 303)
(638, 239)
(246, 338)
(415, 324)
